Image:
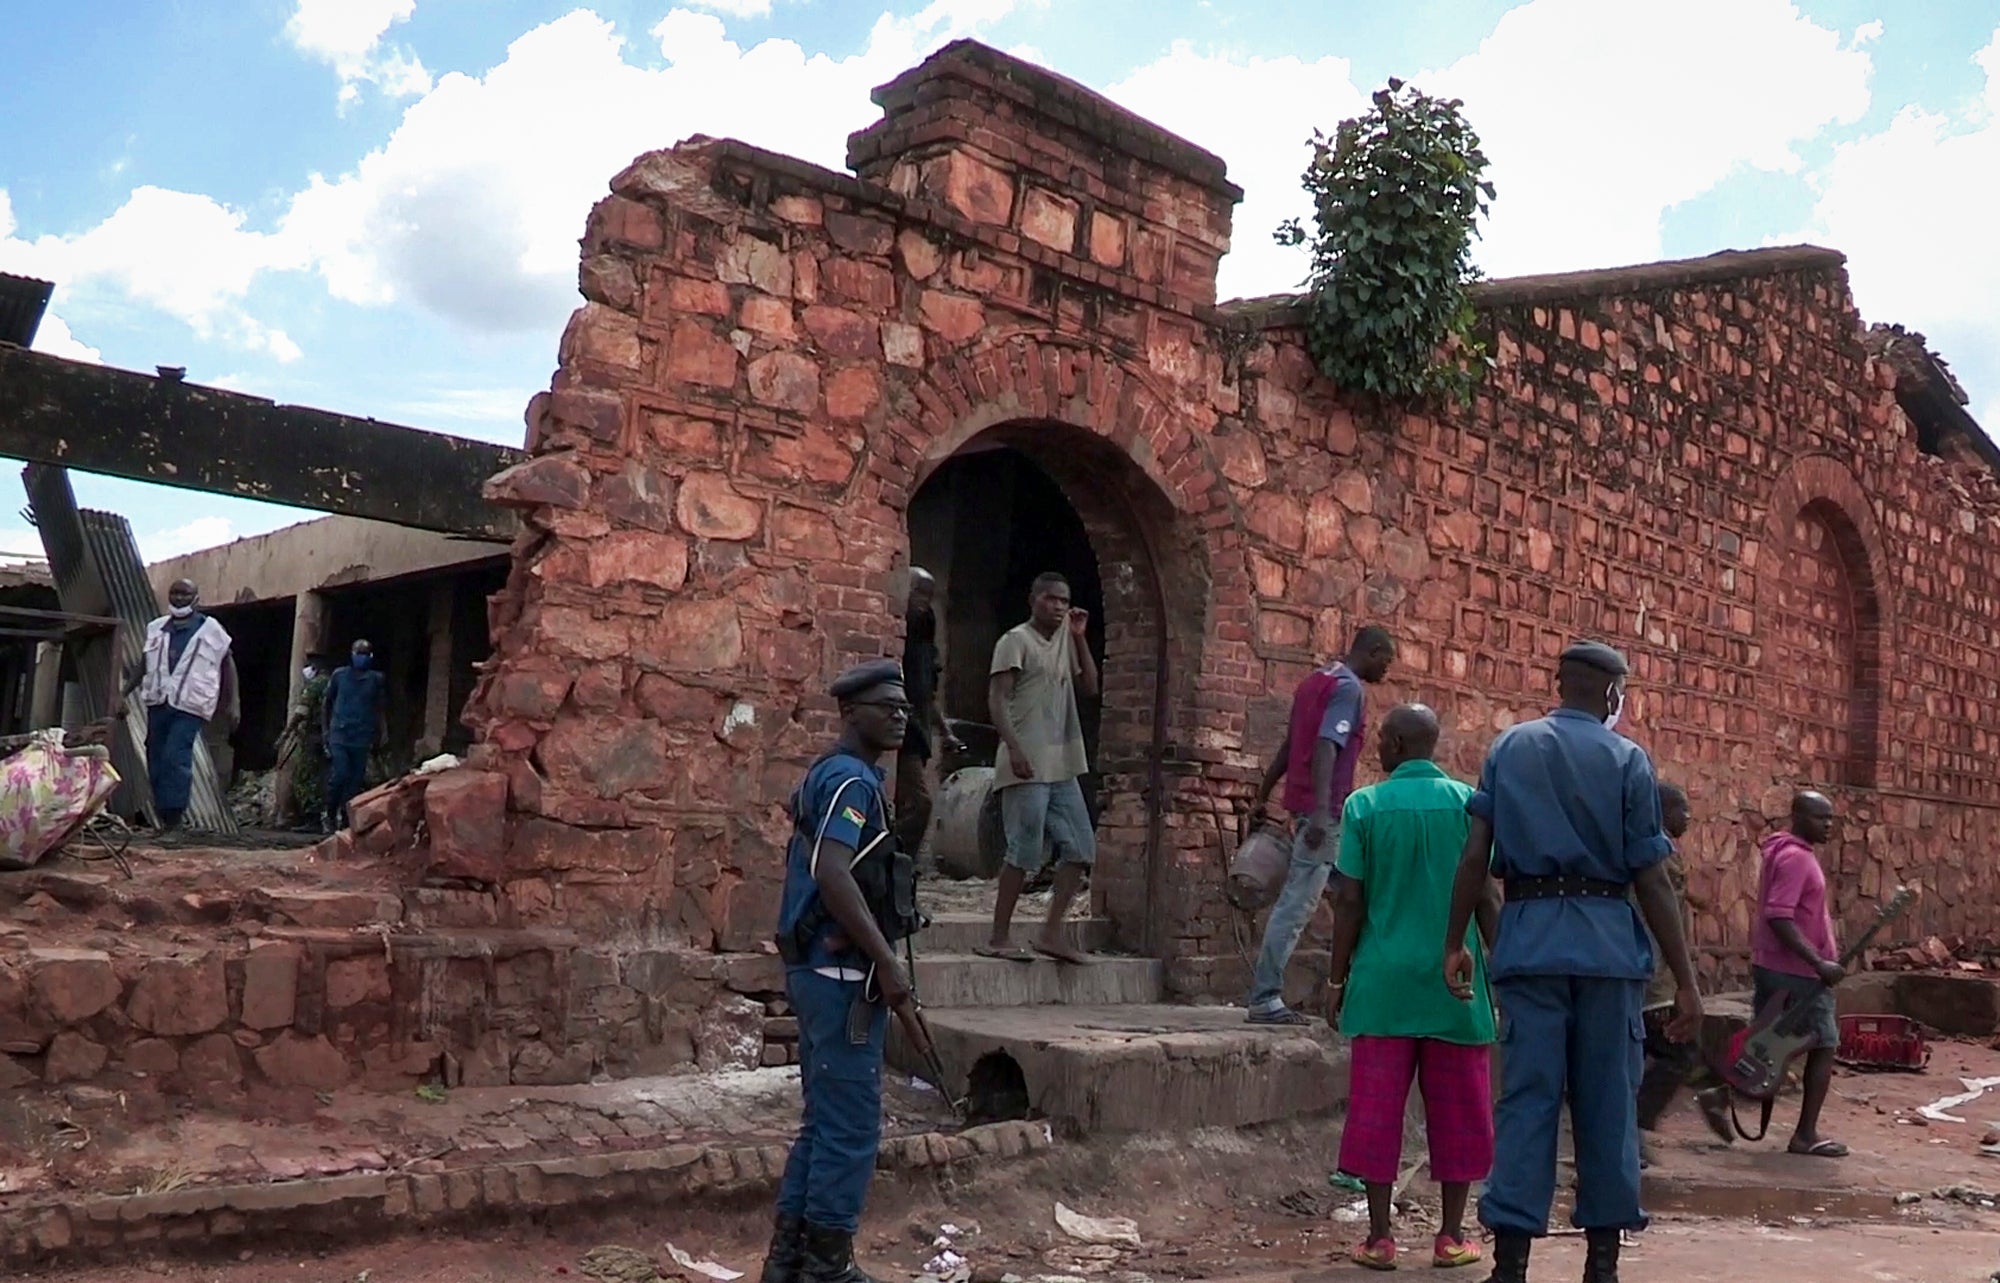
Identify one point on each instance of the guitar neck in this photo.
(1889, 913)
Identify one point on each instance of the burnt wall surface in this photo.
(1697, 461)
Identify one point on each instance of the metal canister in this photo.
(1257, 871)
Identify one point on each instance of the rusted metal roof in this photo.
(23, 299)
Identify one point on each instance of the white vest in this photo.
(195, 686)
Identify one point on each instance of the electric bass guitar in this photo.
(1759, 1055)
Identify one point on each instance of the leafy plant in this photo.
(1397, 196)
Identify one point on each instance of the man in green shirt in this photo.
(1400, 843)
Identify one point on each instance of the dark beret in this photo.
(862, 678)
(1597, 655)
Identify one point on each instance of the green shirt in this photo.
(1401, 840)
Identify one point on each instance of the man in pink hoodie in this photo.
(1793, 953)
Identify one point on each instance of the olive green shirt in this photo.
(1661, 989)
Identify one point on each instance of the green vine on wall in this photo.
(1397, 197)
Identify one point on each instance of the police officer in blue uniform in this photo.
(1567, 816)
(849, 897)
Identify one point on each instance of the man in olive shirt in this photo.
(1037, 670)
(1400, 842)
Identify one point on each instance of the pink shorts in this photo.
(1456, 1082)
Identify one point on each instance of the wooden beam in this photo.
(119, 423)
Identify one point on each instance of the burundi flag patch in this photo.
(854, 817)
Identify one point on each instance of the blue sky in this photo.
(372, 205)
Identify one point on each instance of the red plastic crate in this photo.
(1882, 1042)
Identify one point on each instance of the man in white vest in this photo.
(185, 675)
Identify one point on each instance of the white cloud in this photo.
(21, 543)
(54, 337)
(1913, 207)
(202, 532)
(184, 254)
(736, 8)
(1598, 117)
(1866, 32)
(473, 206)
(347, 34)
(1258, 115)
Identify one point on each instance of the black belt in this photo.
(1565, 887)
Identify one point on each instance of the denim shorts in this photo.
(1041, 818)
(1817, 998)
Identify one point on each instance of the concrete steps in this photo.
(967, 980)
(1137, 1066)
(965, 932)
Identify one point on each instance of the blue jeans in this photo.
(826, 1176)
(170, 737)
(1584, 1038)
(1305, 882)
(1038, 817)
(346, 772)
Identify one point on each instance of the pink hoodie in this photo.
(1792, 885)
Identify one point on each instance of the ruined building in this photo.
(995, 345)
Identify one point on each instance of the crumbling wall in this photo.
(1696, 461)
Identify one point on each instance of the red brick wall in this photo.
(1696, 461)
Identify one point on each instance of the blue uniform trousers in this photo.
(347, 771)
(170, 737)
(1587, 1035)
(827, 1174)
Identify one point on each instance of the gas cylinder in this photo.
(1258, 869)
(966, 836)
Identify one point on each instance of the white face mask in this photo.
(1617, 708)
(180, 612)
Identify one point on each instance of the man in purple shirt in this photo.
(1793, 953)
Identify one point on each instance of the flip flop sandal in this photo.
(1450, 1253)
(1013, 953)
(1379, 1255)
(1821, 1149)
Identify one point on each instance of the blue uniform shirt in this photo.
(355, 696)
(844, 794)
(1568, 797)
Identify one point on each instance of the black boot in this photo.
(1600, 1261)
(829, 1257)
(787, 1253)
(1510, 1258)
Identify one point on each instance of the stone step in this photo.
(1135, 1067)
(967, 980)
(964, 932)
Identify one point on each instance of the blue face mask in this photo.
(360, 661)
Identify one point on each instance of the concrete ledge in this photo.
(967, 980)
(379, 1203)
(1146, 1068)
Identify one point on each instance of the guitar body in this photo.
(1760, 1054)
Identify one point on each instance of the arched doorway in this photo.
(1828, 628)
(1028, 496)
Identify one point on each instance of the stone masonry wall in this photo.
(1697, 461)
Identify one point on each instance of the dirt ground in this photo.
(1237, 1206)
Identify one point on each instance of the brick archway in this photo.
(1138, 480)
(1820, 588)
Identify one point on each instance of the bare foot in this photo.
(1061, 950)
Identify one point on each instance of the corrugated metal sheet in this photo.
(97, 569)
(23, 299)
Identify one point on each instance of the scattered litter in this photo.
(1939, 1110)
(1907, 1197)
(1352, 1214)
(612, 1263)
(1105, 1230)
(1970, 1195)
(707, 1269)
(442, 762)
(431, 1094)
(1989, 1144)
